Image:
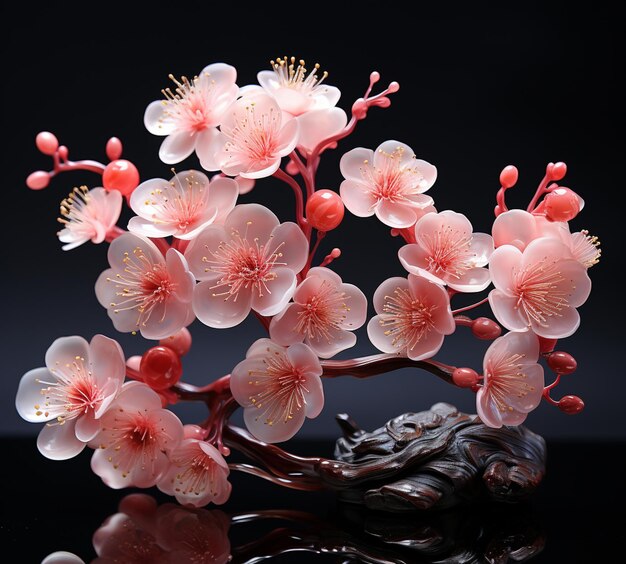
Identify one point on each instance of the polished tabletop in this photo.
(576, 516)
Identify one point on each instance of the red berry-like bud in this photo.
(47, 142)
(179, 342)
(114, 149)
(556, 171)
(324, 210)
(571, 405)
(561, 204)
(160, 367)
(465, 377)
(486, 329)
(38, 180)
(393, 87)
(121, 175)
(562, 363)
(63, 152)
(546, 345)
(509, 176)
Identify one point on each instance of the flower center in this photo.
(392, 182)
(322, 313)
(244, 264)
(295, 77)
(255, 136)
(143, 286)
(408, 319)
(449, 252)
(189, 105)
(537, 288)
(73, 394)
(198, 472)
(76, 212)
(281, 389)
(505, 379)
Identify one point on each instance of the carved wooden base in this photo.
(428, 460)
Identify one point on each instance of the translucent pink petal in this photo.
(87, 427)
(357, 198)
(406, 154)
(304, 359)
(245, 185)
(288, 138)
(558, 326)
(434, 295)
(109, 205)
(214, 454)
(325, 274)
(177, 147)
(427, 347)
(472, 280)
(202, 249)
(136, 393)
(554, 229)
(487, 409)
(482, 246)
(29, 395)
(546, 249)
(420, 201)
(140, 199)
(319, 125)
(428, 173)
(289, 240)
(253, 170)
(356, 314)
(414, 258)
(503, 264)
(283, 325)
(279, 291)
(62, 354)
(252, 221)
(278, 431)
(387, 288)
(178, 271)
(156, 120)
(216, 308)
(242, 379)
(326, 96)
(268, 80)
(513, 418)
(127, 243)
(59, 442)
(505, 309)
(292, 101)
(107, 360)
(165, 320)
(353, 161)
(264, 347)
(530, 389)
(576, 282)
(223, 194)
(337, 340)
(431, 223)
(204, 220)
(208, 144)
(514, 225)
(148, 475)
(221, 73)
(148, 228)
(396, 214)
(523, 342)
(110, 476)
(379, 337)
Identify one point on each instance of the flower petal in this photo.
(304, 359)
(472, 280)
(252, 221)
(156, 119)
(514, 225)
(177, 147)
(277, 293)
(283, 326)
(216, 308)
(316, 126)
(487, 410)
(107, 360)
(427, 347)
(381, 338)
(356, 313)
(482, 247)
(387, 288)
(178, 270)
(221, 73)
(558, 326)
(396, 214)
(148, 228)
(87, 427)
(276, 431)
(506, 310)
(289, 242)
(287, 138)
(503, 264)
(201, 251)
(352, 163)
(243, 384)
(358, 198)
(264, 347)
(59, 442)
(223, 194)
(403, 152)
(128, 243)
(64, 352)
(29, 395)
(208, 144)
(334, 342)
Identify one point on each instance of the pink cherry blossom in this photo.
(324, 314)
(448, 252)
(88, 215)
(278, 387)
(388, 182)
(296, 91)
(255, 135)
(135, 439)
(539, 288)
(318, 125)
(413, 317)
(144, 291)
(585, 248)
(513, 380)
(181, 207)
(73, 392)
(190, 114)
(198, 474)
(249, 263)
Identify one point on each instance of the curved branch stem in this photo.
(297, 190)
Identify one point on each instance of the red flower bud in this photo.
(465, 377)
(571, 405)
(486, 329)
(160, 367)
(509, 176)
(562, 363)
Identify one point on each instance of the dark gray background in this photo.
(481, 87)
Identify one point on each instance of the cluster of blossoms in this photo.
(191, 251)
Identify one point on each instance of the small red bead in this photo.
(562, 363)
(121, 175)
(38, 180)
(509, 176)
(47, 142)
(160, 367)
(179, 342)
(324, 210)
(114, 149)
(486, 329)
(561, 204)
(571, 405)
(465, 377)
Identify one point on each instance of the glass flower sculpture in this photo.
(191, 251)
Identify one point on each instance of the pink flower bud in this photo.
(63, 152)
(562, 204)
(179, 342)
(509, 176)
(374, 77)
(571, 405)
(121, 175)
(556, 171)
(562, 363)
(465, 377)
(114, 149)
(38, 180)
(47, 142)
(393, 87)
(486, 329)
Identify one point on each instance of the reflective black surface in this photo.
(49, 506)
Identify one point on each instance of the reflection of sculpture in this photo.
(142, 531)
(434, 458)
